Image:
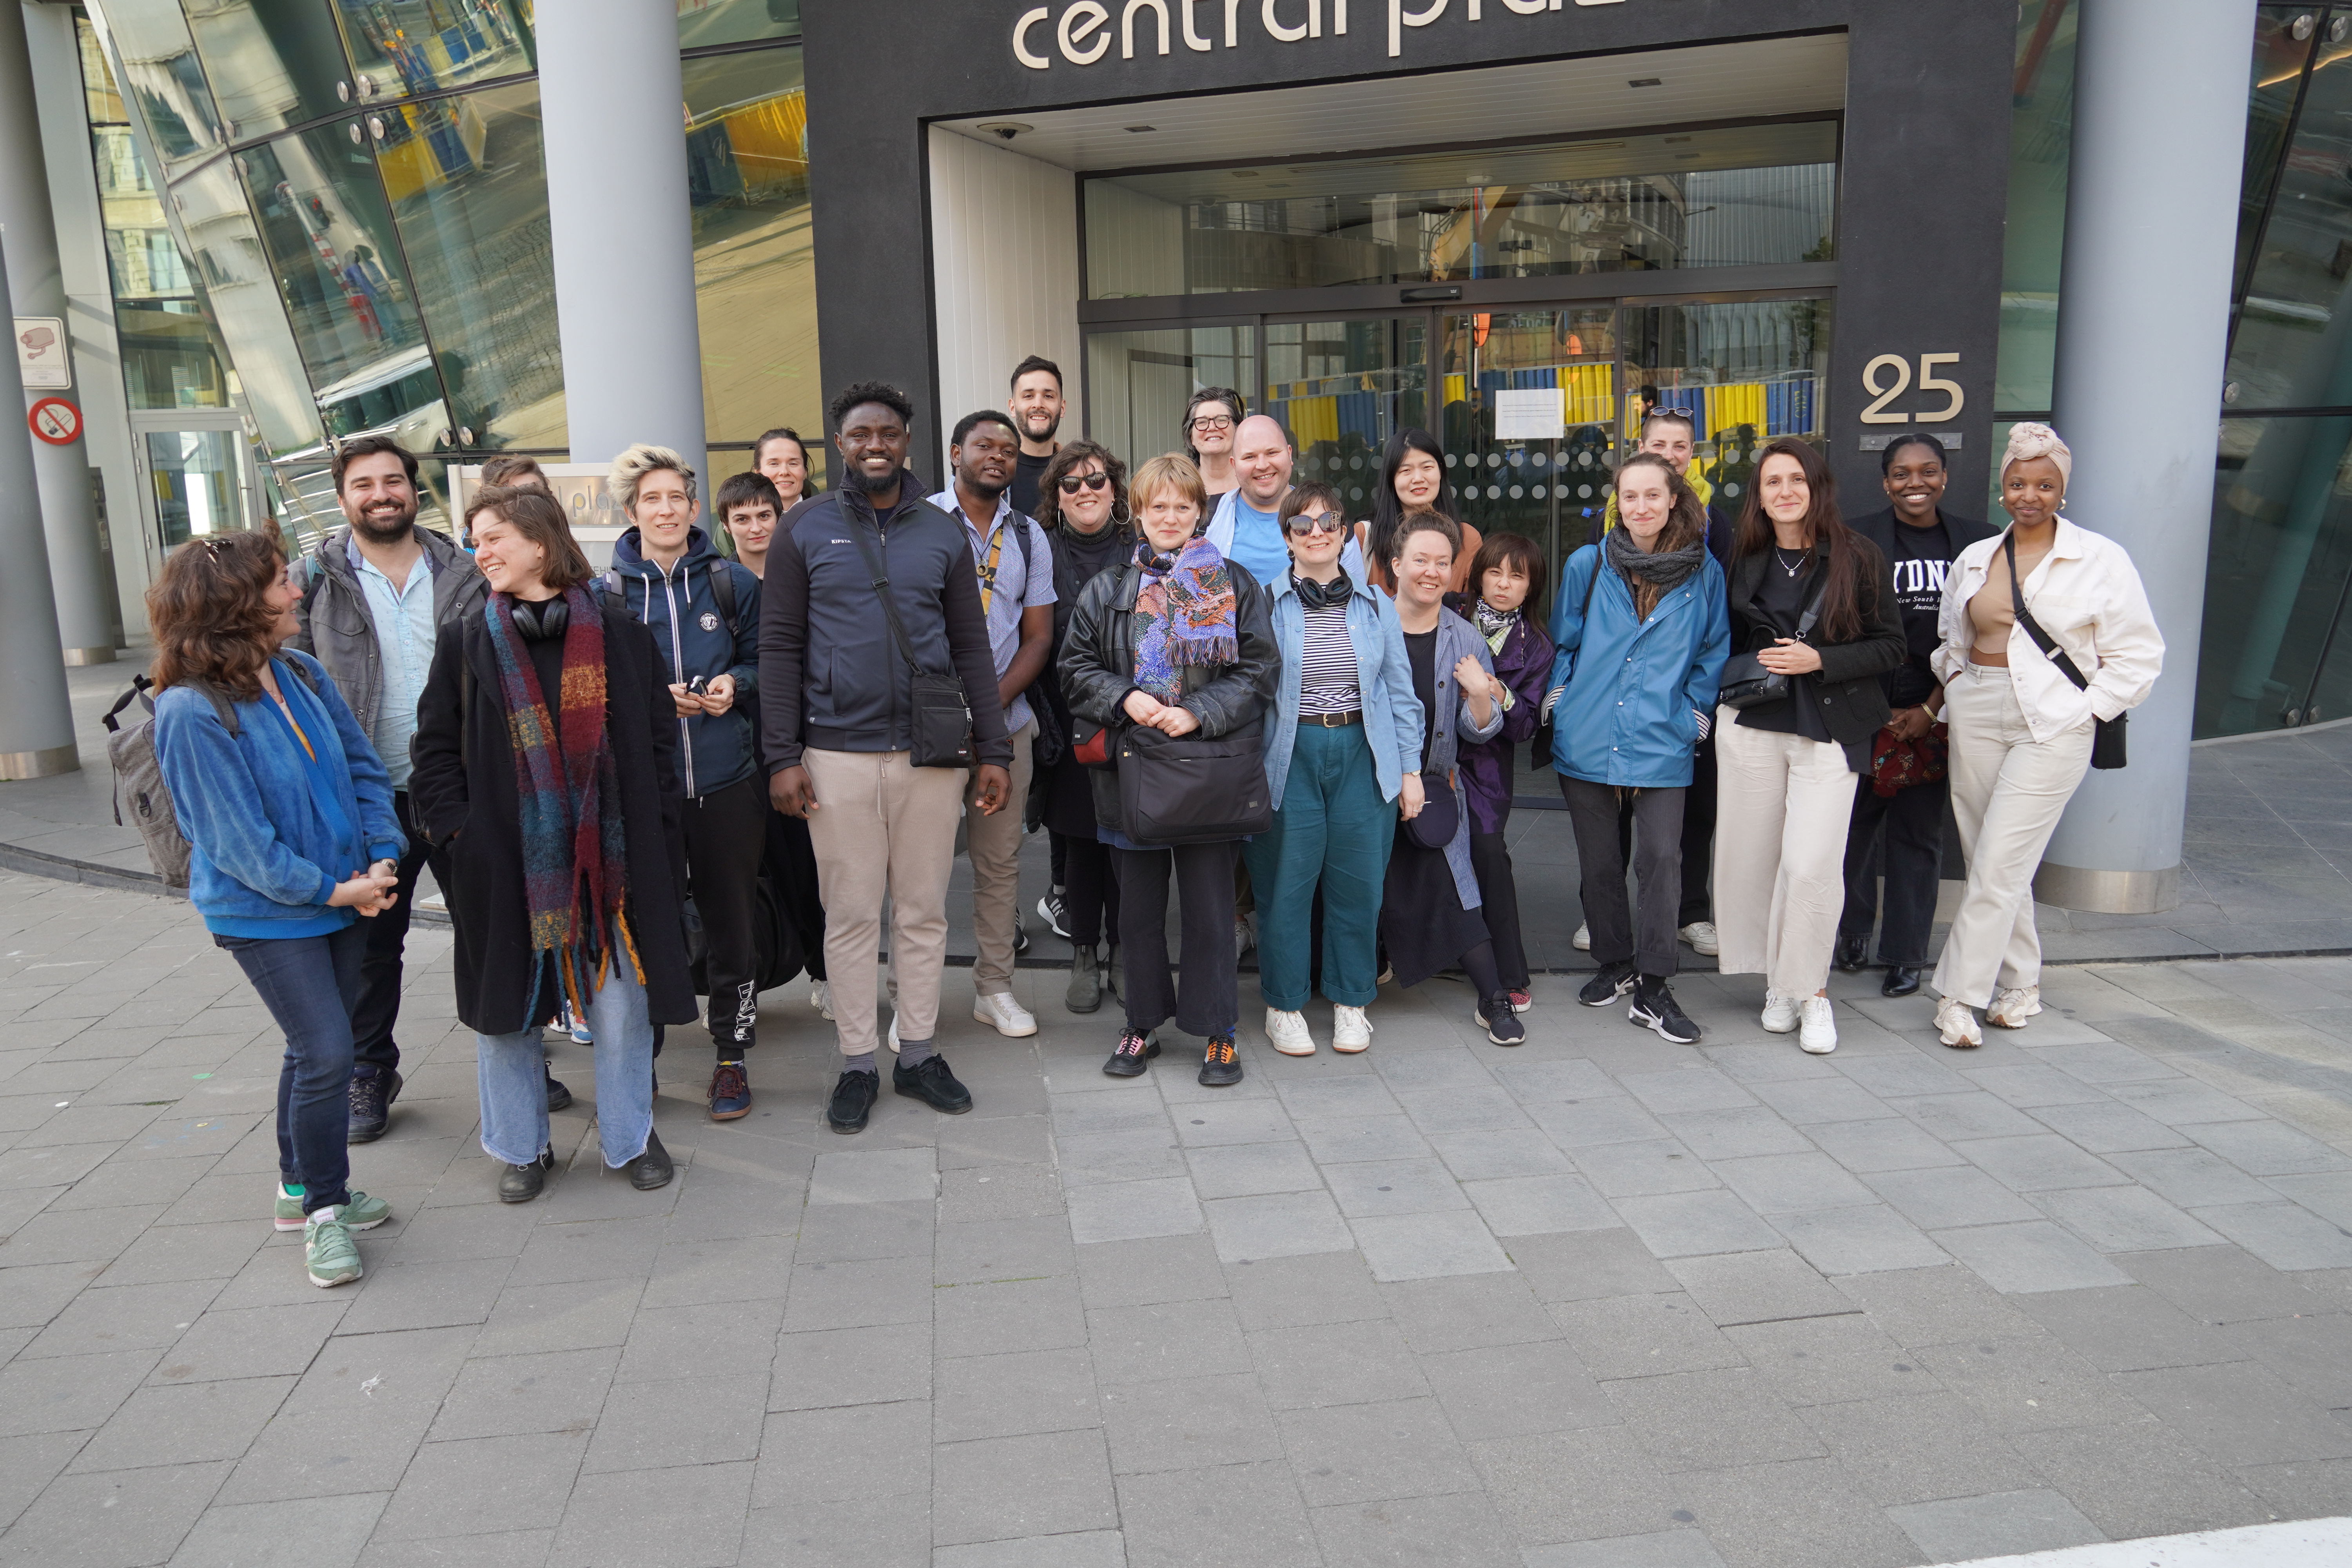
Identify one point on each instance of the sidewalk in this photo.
(1595, 1302)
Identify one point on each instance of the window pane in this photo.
(241, 283)
(1548, 489)
(199, 483)
(469, 193)
(2275, 578)
(1745, 372)
(413, 46)
(1138, 383)
(166, 82)
(702, 23)
(2279, 59)
(2041, 127)
(754, 274)
(1341, 388)
(101, 98)
(271, 65)
(2288, 350)
(1711, 199)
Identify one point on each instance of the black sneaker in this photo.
(653, 1169)
(1654, 1007)
(932, 1083)
(731, 1092)
(1135, 1051)
(1613, 980)
(558, 1097)
(1502, 1023)
(1220, 1067)
(853, 1098)
(372, 1098)
(1057, 913)
(1020, 932)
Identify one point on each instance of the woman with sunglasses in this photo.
(1081, 504)
(1413, 482)
(1342, 759)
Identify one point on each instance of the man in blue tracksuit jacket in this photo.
(704, 613)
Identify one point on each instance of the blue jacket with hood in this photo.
(1634, 691)
(694, 637)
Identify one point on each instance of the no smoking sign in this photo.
(56, 421)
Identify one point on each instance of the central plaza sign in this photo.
(1084, 33)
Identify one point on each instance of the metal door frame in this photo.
(145, 422)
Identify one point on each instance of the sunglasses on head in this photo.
(1071, 483)
(1319, 523)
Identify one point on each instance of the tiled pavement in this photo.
(1596, 1303)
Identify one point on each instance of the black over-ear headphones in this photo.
(541, 622)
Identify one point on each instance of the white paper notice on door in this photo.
(1527, 413)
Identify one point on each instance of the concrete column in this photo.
(2143, 320)
(613, 104)
(37, 736)
(85, 589)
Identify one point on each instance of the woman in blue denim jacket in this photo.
(287, 815)
(1342, 759)
(1430, 902)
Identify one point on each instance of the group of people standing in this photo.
(601, 769)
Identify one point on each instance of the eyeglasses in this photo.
(1318, 522)
(1071, 482)
(1213, 422)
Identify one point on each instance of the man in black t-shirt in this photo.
(1036, 406)
(1920, 541)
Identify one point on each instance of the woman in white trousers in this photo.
(2021, 730)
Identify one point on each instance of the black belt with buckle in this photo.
(1334, 720)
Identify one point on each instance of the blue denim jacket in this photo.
(1392, 718)
(1456, 637)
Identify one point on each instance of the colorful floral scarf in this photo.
(1184, 615)
(574, 856)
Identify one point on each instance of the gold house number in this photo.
(1878, 413)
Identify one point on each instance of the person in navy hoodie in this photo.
(704, 613)
(288, 813)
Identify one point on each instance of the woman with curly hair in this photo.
(288, 813)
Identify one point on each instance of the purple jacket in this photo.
(1524, 663)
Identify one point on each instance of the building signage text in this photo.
(1083, 32)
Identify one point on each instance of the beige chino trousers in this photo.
(995, 844)
(1782, 804)
(883, 826)
(2008, 791)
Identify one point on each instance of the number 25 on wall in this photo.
(1881, 396)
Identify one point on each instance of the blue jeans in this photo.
(512, 1070)
(1334, 830)
(311, 983)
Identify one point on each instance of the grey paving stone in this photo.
(2128, 1328)
(2039, 1163)
(125, 1317)
(1181, 1423)
(669, 1342)
(1365, 1453)
(1642, 1336)
(2110, 1062)
(1157, 1268)
(1882, 1144)
(1665, 1549)
(1915, 1448)
(2268, 1148)
(1499, 1153)
(833, 1368)
(1737, 1133)
(1516, 1391)
(999, 1191)
(1643, 1167)
(1248, 1170)
(66, 1394)
(2221, 1284)
(2328, 1194)
(1682, 1224)
(2139, 1479)
(1757, 1287)
(1096, 1157)
(1826, 1099)
(2027, 1384)
(1205, 1122)
(1322, 1288)
(1790, 1183)
(1282, 1225)
(1973, 1114)
(2184, 1102)
(1393, 1187)
(973, 1142)
(2238, 1413)
(1539, 1082)
(1425, 1245)
(1337, 1139)
(1002, 1489)
(2028, 1257)
(1824, 1361)
(482, 1485)
(1183, 1339)
(874, 1175)
(30, 1463)
(809, 1457)
(1588, 1265)
(691, 1516)
(853, 1295)
(1578, 1486)
(1711, 1420)
(2314, 1353)
(2191, 1178)
(2029, 1085)
(1193, 1517)
(427, 1295)
(1935, 1199)
(597, 1249)
(1857, 1240)
(2108, 1128)
(1997, 1524)
(1357, 1094)
(307, 1531)
(1460, 1109)
(1010, 1395)
(2305, 1490)
(1687, 1090)
(1531, 1205)
(184, 1424)
(1469, 1310)
(1455, 1531)
(1577, 1124)
(2125, 1219)
(1083, 1549)
(1002, 1249)
(712, 1420)
(996, 1317)
(573, 1316)
(1334, 1364)
(695, 1270)
(1797, 1512)
(147, 1514)
(499, 1395)
(1907, 1074)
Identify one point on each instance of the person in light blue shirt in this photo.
(1246, 525)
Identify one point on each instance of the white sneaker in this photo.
(1583, 940)
(1701, 935)
(1956, 1026)
(1780, 1012)
(1244, 937)
(1288, 1033)
(1350, 1030)
(821, 998)
(1000, 1011)
(1820, 1033)
(2015, 1005)
(891, 1039)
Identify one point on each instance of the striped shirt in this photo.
(1327, 664)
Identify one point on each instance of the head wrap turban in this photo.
(2028, 440)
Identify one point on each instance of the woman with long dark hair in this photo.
(1082, 502)
(1413, 482)
(544, 747)
(292, 836)
(1814, 602)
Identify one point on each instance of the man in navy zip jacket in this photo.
(704, 613)
(836, 719)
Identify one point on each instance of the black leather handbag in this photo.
(1191, 790)
(2110, 747)
(942, 720)
(1746, 683)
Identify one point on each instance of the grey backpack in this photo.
(139, 776)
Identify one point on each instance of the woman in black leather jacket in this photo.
(1179, 639)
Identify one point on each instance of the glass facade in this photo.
(350, 234)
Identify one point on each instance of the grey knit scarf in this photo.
(1666, 569)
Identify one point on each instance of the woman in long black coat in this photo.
(579, 897)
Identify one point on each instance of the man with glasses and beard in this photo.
(375, 594)
(1036, 406)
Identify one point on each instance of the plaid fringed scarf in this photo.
(575, 865)
(1183, 613)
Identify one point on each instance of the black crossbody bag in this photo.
(1746, 683)
(2109, 749)
(942, 722)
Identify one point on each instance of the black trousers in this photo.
(1208, 1001)
(1698, 834)
(1912, 821)
(726, 833)
(1646, 936)
(1498, 895)
(1089, 888)
(374, 1049)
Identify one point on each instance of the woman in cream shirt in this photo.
(2021, 730)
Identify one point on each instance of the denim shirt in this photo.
(1392, 718)
(405, 631)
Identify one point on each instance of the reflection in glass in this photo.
(1341, 388)
(271, 65)
(1708, 198)
(157, 64)
(1549, 489)
(2276, 579)
(1138, 383)
(468, 191)
(1745, 372)
(415, 46)
(241, 285)
(703, 23)
(754, 271)
(198, 482)
(2289, 349)
(2279, 61)
(2041, 132)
